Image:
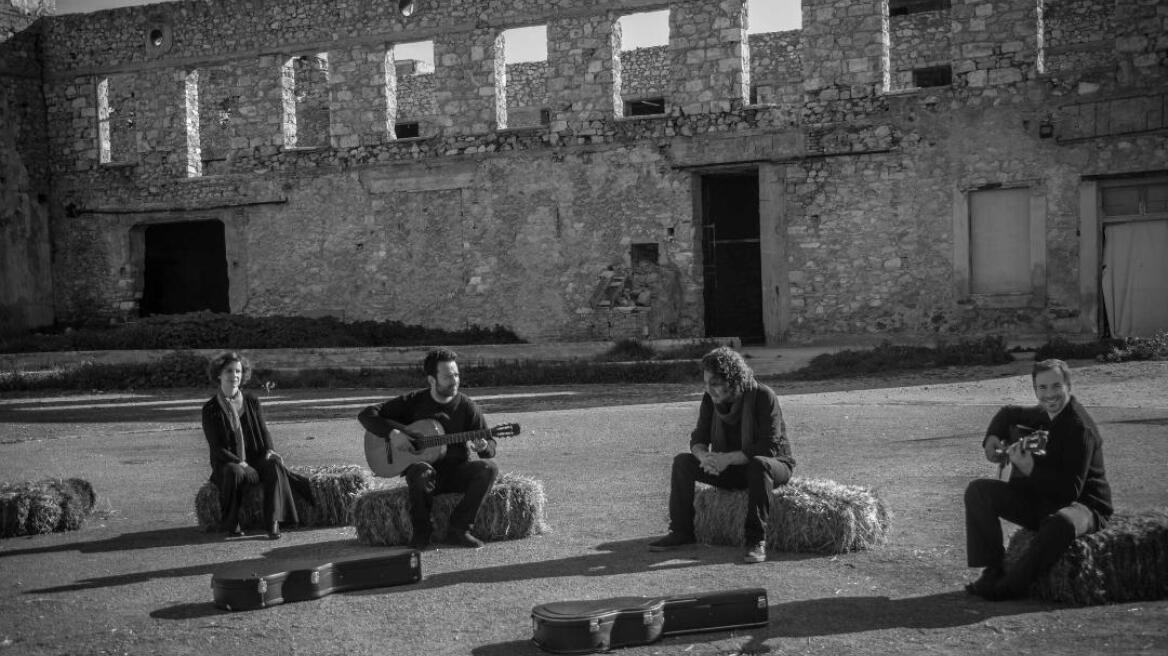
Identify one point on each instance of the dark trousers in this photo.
(758, 477)
(473, 479)
(987, 500)
(277, 484)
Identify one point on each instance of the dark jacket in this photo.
(221, 441)
(1072, 469)
(770, 431)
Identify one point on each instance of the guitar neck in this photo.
(453, 438)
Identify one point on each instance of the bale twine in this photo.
(334, 487)
(45, 506)
(513, 509)
(807, 515)
(1127, 561)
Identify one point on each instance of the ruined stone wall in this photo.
(25, 259)
(530, 228)
(645, 72)
(526, 92)
(917, 40)
(776, 67)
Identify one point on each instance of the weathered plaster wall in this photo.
(25, 259)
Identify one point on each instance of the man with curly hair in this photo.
(740, 442)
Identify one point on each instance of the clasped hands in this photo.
(713, 463)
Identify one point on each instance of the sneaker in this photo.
(463, 539)
(984, 585)
(671, 541)
(420, 541)
(755, 552)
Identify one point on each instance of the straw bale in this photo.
(1127, 561)
(45, 506)
(807, 515)
(513, 509)
(334, 487)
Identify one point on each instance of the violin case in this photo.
(581, 627)
(252, 585)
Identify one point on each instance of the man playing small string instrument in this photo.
(453, 471)
(1057, 485)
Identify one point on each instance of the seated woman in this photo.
(241, 451)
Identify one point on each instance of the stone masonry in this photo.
(529, 199)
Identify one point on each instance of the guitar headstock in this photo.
(505, 430)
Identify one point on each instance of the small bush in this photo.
(210, 330)
(634, 350)
(1138, 348)
(888, 357)
(628, 350)
(1121, 349)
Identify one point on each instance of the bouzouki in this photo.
(389, 456)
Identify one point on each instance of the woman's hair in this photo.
(226, 358)
(729, 365)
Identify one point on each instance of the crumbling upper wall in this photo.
(25, 258)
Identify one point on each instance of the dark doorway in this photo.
(732, 267)
(185, 268)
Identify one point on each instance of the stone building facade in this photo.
(904, 170)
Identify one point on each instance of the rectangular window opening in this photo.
(933, 76)
(523, 78)
(645, 107)
(413, 87)
(906, 7)
(408, 130)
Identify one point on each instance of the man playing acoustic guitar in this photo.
(453, 470)
(1057, 485)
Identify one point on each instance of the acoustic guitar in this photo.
(389, 456)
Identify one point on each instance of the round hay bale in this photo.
(45, 506)
(1127, 561)
(807, 515)
(513, 509)
(334, 487)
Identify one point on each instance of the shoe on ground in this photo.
(235, 531)
(463, 539)
(984, 585)
(420, 541)
(274, 531)
(1006, 589)
(755, 552)
(671, 541)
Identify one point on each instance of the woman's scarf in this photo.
(741, 412)
(232, 414)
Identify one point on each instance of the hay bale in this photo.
(1127, 561)
(513, 509)
(45, 506)
(334, 487)
(807, 515)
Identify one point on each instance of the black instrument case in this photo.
(248, 586)
(580, 627)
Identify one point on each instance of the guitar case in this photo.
(579, 627)
(583, 627)
(249, 586)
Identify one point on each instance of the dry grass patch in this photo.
(45, 506)
(807, 515)
(513, 509)
(334, 487)
(1127, 561)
